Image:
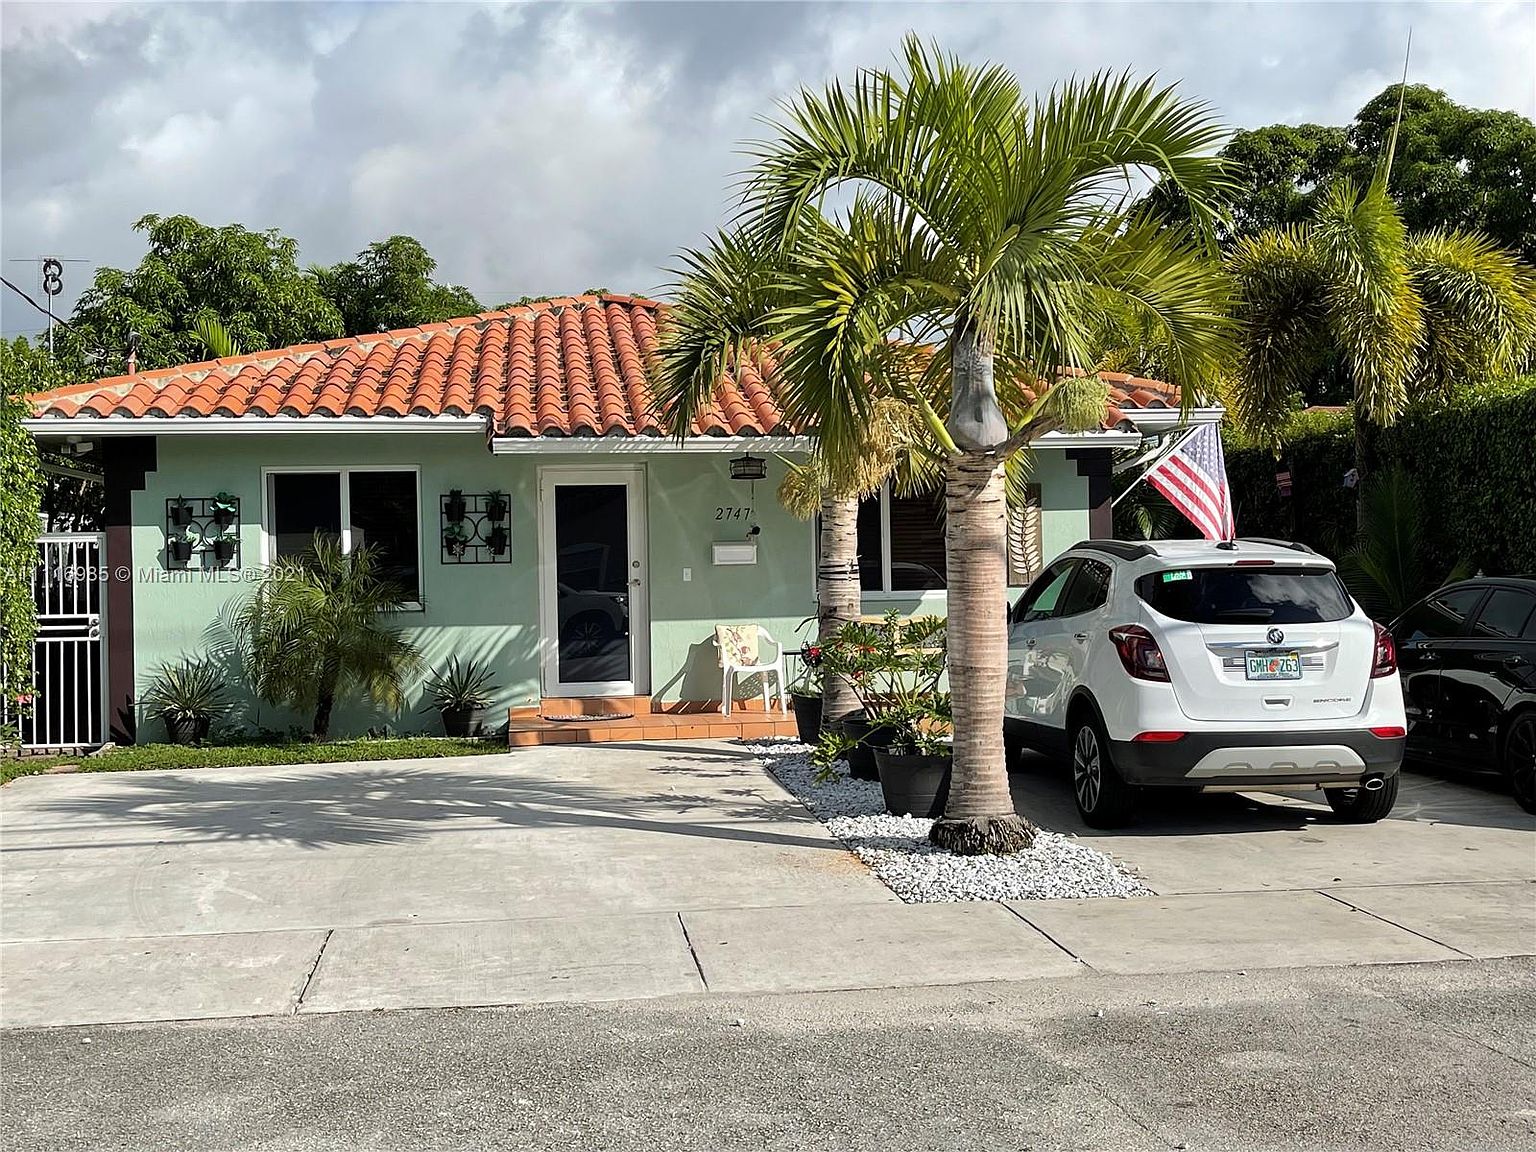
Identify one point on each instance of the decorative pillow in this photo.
(737, 644)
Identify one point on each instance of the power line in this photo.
(34, 303)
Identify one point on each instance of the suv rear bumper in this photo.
(1258, 758)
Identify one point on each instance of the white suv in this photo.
(1184, 663)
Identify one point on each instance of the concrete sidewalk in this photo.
(640, 872)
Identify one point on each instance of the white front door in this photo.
(593, 602)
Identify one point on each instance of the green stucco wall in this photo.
(490, 612)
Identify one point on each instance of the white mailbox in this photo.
(726, 552)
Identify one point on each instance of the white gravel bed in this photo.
(897, 850)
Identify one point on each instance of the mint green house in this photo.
(511, 470)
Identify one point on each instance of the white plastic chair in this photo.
(740, 650)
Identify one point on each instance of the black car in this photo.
(1467, 655)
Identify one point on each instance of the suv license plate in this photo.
(1273, 665)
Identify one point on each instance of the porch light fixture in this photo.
(749, 468)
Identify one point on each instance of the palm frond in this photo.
(1479, 307)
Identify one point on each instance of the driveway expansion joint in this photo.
(313, 968)
(1393, 923)
(688, 940)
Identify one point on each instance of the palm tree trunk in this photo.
(1360, 465)
(978, 817)
(838, 599)
(325, 699)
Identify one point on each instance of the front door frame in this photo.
(632, 476)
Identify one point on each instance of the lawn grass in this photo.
(139, 757)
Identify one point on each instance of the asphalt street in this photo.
(1417, 1056)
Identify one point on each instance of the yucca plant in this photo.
(187, 696)
(314, 630)
(462, 693)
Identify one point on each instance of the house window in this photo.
(901, 543)
(373, 507)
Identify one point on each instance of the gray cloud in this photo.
(549, 148)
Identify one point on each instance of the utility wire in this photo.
(56, 319)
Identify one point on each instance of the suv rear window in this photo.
(1247, 595)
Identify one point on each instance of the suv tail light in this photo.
(1142, 658)
(1385, 662)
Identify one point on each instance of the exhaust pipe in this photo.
(1374, 783)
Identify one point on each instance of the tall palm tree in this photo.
(990, 228)
(725, 309)
(1405, 315)
(314, 630)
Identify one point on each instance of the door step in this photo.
(634, 718)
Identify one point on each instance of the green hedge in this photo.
(1474, 459)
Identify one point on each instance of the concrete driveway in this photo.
(584, 873)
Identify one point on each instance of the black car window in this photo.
(1041, 600)
(1089, 590)
(1505, 613)
(1243, 595)
(1440, 616)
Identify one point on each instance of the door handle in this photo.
(1513, 661)
(1030, 643)
(1080, 637)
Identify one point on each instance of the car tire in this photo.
(1519, 760)
(1104, 799)
(1358, 806)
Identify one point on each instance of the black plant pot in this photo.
(455, 509)
(914, 785)
(497, 541)
(187, 731)
(462, 721)
(223, 517)
(807, 716)
(179, 551)
(223, 551)
(495, 509)
(861, 757)
(181, 515)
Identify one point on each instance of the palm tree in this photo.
(313, 631)
(1406, 316)
(991, 229)
(724, 313)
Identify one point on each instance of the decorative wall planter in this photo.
(203, 525)
(475, 527)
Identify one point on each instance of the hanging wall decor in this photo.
(476, 527)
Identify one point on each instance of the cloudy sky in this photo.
(547, 148)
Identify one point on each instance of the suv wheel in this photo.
(1104, 799)
(1359, 806)
(1520, 759)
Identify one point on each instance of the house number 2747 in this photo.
(733, 513)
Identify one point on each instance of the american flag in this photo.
(1194, 479)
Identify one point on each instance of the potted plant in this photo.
(892, 665)
(915, 765)
(495, 505)
(187, 697)
(805, 694)
(455, 538)
(224, 506)
(224, 547)
(455, 507)
(181, 513)
(462, 693)
(497, 540)
(179, 547)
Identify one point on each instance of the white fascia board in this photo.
(631, 445)
(1162, 419)
(1105, 439)
(92, 427)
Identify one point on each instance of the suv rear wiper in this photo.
(1246, 614)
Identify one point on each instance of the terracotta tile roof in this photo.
(573, 366)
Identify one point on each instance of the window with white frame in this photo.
(373, 507)
(901, 542)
